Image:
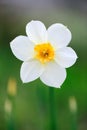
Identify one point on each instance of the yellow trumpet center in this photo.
(44, 52)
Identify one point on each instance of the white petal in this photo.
(65, 57)
(36, 31)
(30, 71)
(59, 35)
(54, 75)
(22, 48)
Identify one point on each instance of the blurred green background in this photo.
(30, 104)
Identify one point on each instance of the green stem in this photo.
(73, 121)
(52, 109)
(10, 124)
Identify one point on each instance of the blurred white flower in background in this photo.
(8, 106)
(73, 104)
(44, 53)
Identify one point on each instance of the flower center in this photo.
(44, 52)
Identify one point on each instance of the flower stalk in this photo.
(52, 109)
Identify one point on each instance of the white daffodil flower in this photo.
(44, 53)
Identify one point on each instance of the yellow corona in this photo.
(44, 52)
